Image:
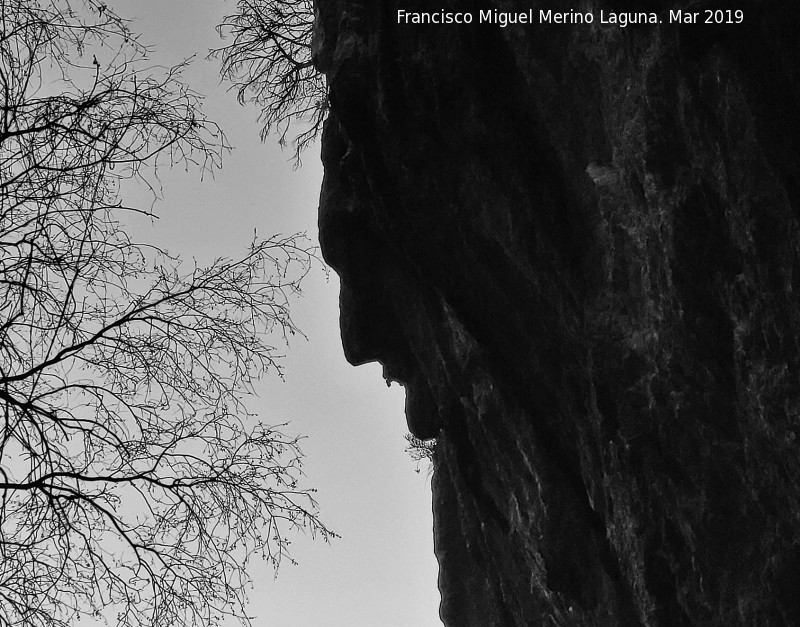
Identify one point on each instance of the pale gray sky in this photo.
(382, 572)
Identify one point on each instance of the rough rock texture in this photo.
(577, 247)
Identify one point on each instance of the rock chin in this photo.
(576, 246)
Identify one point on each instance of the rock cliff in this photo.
(577, 247)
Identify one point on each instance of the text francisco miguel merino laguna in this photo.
(504, 18)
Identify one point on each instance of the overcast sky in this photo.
(382, 572)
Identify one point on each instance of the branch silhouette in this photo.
(134, 481)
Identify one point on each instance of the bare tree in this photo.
(268, 60)
(133, 480)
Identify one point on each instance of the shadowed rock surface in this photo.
(577, 247)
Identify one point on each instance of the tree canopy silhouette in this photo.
(268, 59)
(133, 479)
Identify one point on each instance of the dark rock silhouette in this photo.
(577, 246)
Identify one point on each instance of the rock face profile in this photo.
(577, 245)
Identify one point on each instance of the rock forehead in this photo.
(576, 246)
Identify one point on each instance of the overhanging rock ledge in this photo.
(577, 247)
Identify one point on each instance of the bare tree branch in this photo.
(268, 61)
(133, 479)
